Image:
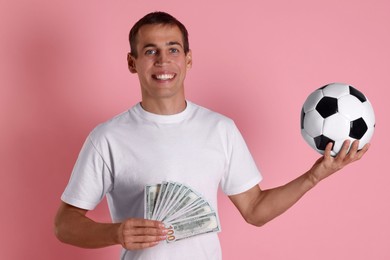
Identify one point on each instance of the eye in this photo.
(174, 50)
(151, 52)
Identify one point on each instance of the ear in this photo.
(131, 63)
(189, 59)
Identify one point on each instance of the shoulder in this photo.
(212, 116)
(112, 126)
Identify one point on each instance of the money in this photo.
(183, 211)
(193, 226)
(151, 192)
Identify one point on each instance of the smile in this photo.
(164, 76)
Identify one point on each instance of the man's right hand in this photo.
(135, 233)
(72, 226)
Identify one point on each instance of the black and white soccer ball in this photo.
(334, 113)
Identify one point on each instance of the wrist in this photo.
(116, 234)
(311, 179)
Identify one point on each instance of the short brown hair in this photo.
(156, 18)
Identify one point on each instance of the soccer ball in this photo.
(334, 113)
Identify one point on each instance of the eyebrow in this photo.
(171, 43)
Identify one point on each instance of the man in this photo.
(167, 138)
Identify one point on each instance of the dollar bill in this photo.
(159, 198)
(151, 192)
(166, 188)
(186, 228)
(199, 209)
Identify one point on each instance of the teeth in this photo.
(164, 76)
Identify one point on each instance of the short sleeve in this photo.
(242, 172)
(91, 179)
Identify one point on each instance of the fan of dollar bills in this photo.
(181, 209)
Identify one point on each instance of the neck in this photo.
(164, 107)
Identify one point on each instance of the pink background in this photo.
(63, 70)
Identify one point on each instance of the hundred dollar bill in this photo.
(198, 210)
(165, 199)
(151, 192)
(160, 197)
(198, 225)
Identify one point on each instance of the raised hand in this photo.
(327, 165)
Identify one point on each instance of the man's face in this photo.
(161, 63)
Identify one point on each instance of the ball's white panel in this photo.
(312, 100)
(368, 114)
(336, 127)
(313, 123)
(309, 140)
(350, 107)
(336, 90)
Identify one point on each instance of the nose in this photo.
(161, 59)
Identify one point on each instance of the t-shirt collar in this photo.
(163, 119)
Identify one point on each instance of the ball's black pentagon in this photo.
(321, 142)
(356, 93)
(358, 128)
(302, 117)
(327, 106)
(324, 86)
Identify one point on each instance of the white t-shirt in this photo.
(196, 147)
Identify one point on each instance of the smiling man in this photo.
(161, 62)
(168, 138)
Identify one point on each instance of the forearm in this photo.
(273, 202)
(258, 207)
(75, 228)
